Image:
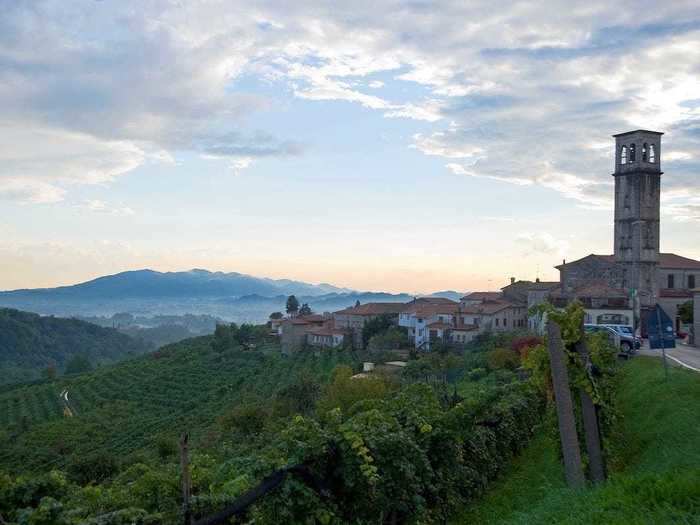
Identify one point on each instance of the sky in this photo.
(398, 146)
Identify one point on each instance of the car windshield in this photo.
(625, 330)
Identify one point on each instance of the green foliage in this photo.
(657, 481)
(300, 396)
(685, 312)
(384, 452)
(343, 391)
(32, 345)
(276, 315)
(376, 325)
(305, 309)
(393, 338)
(91, 468)
(78, 365)
(500, 358)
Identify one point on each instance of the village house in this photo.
(293, 331)
(428, 318)
(326, 336)
(492, 311)
(353, 319)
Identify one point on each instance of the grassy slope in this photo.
(123, 408)
(660, 482)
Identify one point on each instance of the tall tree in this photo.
(276, 315)
(292, 305)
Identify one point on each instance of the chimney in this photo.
(512, 280)
(537, 279)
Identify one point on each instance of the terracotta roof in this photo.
(598, 289)
(308, 319)
(675, 292)
(490, 307)
(440, 326)
(326, 331)
(481, 296)
(671, 260)
(426, 309)
(460, 327)
(666, 260)
(373, 309)
(533, 285)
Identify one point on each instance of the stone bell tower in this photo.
(637, 204)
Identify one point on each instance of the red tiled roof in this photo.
(439, 325)
(673, 261)
(426, 309)
(481, 296)
(666, 260)
(596, 289)
(308, 319)
(490, 307)
(675, 292)
(373, 309)
(326, 331)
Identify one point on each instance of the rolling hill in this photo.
(30, 343)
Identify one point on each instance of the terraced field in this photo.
(126, 408)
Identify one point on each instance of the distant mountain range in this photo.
(231, 296)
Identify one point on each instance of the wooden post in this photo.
(565, 410)
(185, 467)
(590, 423)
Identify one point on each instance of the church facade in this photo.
(621, 288)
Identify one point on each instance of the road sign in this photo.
(660, 329)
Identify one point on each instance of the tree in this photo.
(305, 309)
(685, 311)
(276, 315)
(292, 305)
(78, 365)
(357, 303)
(50, 372)
(376, 325)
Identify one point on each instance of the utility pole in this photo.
(565, 410)
(185, 467)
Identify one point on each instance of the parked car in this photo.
(623, 339)
(626, 334)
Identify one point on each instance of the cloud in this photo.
(527, 93)
(542, 243)
(100, 206)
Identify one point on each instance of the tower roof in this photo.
(638, 131)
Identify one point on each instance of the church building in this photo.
(623, 287)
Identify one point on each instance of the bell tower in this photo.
(637, 211)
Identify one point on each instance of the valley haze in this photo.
(229, 296)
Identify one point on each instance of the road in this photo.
(68, 410)
(683, 355)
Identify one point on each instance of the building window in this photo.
(691, 281)
(633, 152)
(623, 155)
(652, 153)
(645, 149)
(496, 321)
(670, 280)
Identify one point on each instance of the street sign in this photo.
(660, 329)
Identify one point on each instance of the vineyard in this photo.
(127, 408)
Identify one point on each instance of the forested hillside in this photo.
(32, 346)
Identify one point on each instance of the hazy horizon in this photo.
(375, 146)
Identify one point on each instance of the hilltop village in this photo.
(620, 288)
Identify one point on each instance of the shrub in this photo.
(503, 358)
